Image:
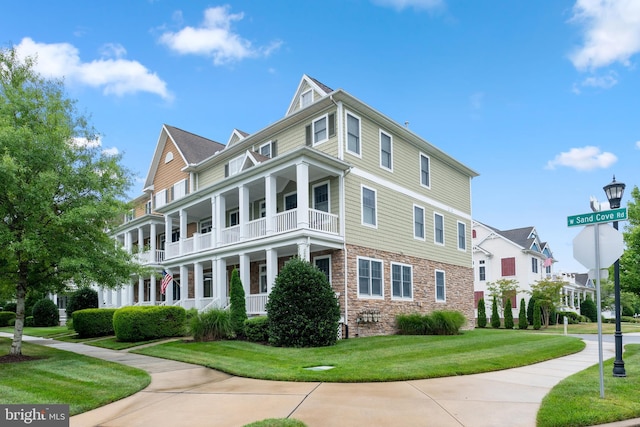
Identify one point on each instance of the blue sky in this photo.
(542, 98)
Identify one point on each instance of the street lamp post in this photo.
(614, 193)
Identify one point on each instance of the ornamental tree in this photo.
(60, 192)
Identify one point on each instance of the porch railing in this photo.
(231, 235)
(285, 221)
(256, 303)
(256, 228)
(323, 221)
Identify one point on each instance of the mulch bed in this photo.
(9, 358)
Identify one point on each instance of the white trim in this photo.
(444, 279)
(458, 236)
(390, 169)
(375, 194)
(313, 130)
(409, 193)
(266, 277)
(402, 298)
(424, 226)
(240, 159)
(310, 90)
(434, 229)
(270, 145)
(346, 129)
(370, 296)
(420, 169)
(313, 194)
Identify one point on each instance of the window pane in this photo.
(418, 217)
(291, 202)
(323, 265)
(321, 198)
(424, 170)
(440, 285)
(376, 278)
(396, 279)
(439, 229)
(385, 150)
(353, 134)
(462, 243)
(406, 281)
(320, 130)
(363, 276)
(368, 206)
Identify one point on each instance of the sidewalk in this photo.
(189, 395)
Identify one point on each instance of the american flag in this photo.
(166, 279)
(548, 262)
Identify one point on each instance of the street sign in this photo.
(611, 246)
(619, 214)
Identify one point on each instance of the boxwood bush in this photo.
(93, 322)
(45, 313)
(6, 317)
(81, 299)
(256, 329)
(136, 323)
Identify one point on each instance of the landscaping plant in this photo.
(211, 325)
(80, 299)
(523, 323)
(45, 313)
(537, 314)
(495, 317)
(482, 314)
(238, 308)
(588, 309)
(508, 314)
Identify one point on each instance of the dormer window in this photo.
(234, 166)
(306, 98)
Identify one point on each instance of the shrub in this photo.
(532, 303)
(10, 306)
(553, 315)
(45, 313)
(537, 314)
(413, 324)
(572, 318)
(482, 314)
(28, 321)
(211, 325)
(588, 309)
(523, 323)
(93, 322)
(238, 309)
(5, 317)
(303, 309)
(495, 317)
(81, 299)
(445, 322)
(11, 322)
(142, 323)
(256, 329)
(508, 314)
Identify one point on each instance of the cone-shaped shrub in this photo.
(523, 323)
(495, 317)
(532, 302)
(482, 314)
(537, 316)
(508, 314)
(302, 308)
(238, 309)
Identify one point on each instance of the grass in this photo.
(576, 401)
(383, 358)
(589, 328)
(82, 382)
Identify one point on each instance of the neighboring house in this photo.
(382, 212)
(519, 254)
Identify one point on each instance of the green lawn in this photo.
(589, 328)
(383, 358)
(82, 382)
(576, 401)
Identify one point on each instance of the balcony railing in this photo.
(147, 258)
(285, 221)
(231, 235)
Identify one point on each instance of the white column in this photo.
(109, 297)
(128, 239)
(270, 202)
(243, 208)
(119, 295)
(153, 247)
(152, 289)
(272, 268)
(302, 182)
(245, 273)
(168, 296)
(221, 213)
(140, 290)
(221, 280)
(303, 250)
(140, 240)
(214, 222)
(183, 230)
(198, 279)
(100, 297)
(184, 282)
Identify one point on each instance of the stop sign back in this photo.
(611, 246)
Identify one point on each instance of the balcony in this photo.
(147, 257)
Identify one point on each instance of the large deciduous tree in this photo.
(630, 260)
(60, 192)
(547, 296)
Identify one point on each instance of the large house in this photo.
(382, 212)
(520, 255)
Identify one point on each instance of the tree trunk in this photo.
(21, 296)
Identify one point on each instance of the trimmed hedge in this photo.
(93, 322)
(256, 329)
(132, 324)
(5, 317)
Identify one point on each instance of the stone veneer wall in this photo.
(458, 290)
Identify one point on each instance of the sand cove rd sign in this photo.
(619, 214)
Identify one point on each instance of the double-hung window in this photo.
(369, 277)
(353, 134)
(321, 197)
(438, 229)
(425, 177)
(462, 236)
(418, 222)
(385, 150)
(320, 130)
(441, 291)
(534, 265)
(401, 281)
(369, 216)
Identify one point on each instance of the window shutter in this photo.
(308, 135)
(477, 296)
(508, 266)
(226, 170)
(274, 149)
(332, 125)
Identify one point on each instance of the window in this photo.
(168, 157)
(462, 236)
(385, 150)
(147, 207)
(208, 285)
(175, 236)
(438, 228)
(369, 207)
(206, 226)
(179, 189)
(369, 277)
(547, 270)
(508, 266)
(130, 215)
(482, 275)
(161, 198)
(306, 98)
(234, 166)
(324, 264)
(418, 222)
(441, 292)
(353, 134)
(321, 197)
(401, 282)
(290, 201)
(534, 265)
(320, 130)
(424, 171)
(265, 149)
(234, 218)
(263, 278)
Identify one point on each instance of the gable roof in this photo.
(305, 84)
(524, 237)
(236, 136)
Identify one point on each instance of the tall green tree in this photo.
(503, 289)
(238, 309)
(523, 323)
(508, 314)
(630, 259)
(60, 192)
(547, 296)
(482, 314)
(495, 317)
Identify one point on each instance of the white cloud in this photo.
(114, 75)
(638, 145)
(215, 38)
(416, 4)
(85, 142)
(113, 151)
(603, 82)
(583, 159)
(611, 32)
